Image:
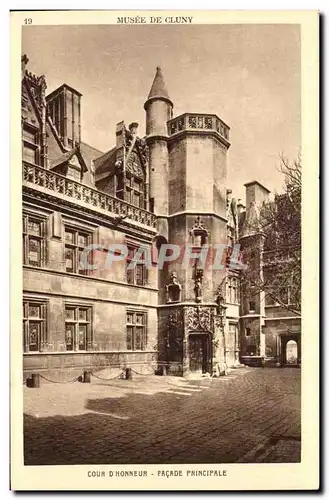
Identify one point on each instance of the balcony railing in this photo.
(196, 122)
(62, 186)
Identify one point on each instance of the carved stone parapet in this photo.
(59, 185)
(197, 121)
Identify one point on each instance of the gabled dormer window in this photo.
(134, 192)
(130, 185)
(74, 172)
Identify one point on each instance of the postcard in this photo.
(164, 250)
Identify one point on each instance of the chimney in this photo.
(256, 193)
(120, 134)
(64, 109)
(24, 61)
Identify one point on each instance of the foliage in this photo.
(275, 240)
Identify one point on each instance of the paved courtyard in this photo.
(251, 415)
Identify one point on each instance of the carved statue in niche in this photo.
(199, 233)
(231, 213)
(173, 290)
(198, 285)
(220, 300)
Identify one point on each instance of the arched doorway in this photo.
(291, 352)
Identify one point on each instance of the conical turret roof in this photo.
(158, 88)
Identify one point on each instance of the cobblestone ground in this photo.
(252, 415)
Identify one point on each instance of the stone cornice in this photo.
(188, 304)
(157, 98)
(81, 277)
(201, 133)
(193, 213)
(283, 318)
(59, 205)
(84, 353)
(156, 137)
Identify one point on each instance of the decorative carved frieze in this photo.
(134, 166)
(198, 318)
(175, 330)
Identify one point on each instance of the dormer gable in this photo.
(123, 171)
(71, 164)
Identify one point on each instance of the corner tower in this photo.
(159, 109)
(191, 321)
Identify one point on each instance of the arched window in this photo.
(291, 352)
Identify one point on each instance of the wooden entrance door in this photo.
(199, 353)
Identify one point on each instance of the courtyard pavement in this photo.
(251, 415)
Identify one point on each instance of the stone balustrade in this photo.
(195, 121)
(60, 185)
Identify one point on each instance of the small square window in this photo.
(252, 306)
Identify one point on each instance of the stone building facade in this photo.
(168, 186)
(269, 324)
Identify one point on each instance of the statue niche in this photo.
(199, 233)
(198, 285)
(173, 290)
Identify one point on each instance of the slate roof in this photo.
(158, 88)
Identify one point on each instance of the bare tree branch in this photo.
(274, 261)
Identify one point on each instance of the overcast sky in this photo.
(249, 75)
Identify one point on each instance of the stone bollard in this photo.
(33, 381)
(86, 377)
(128, 374)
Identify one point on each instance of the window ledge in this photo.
(251, 316)
(83, 276)
(123, 351)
